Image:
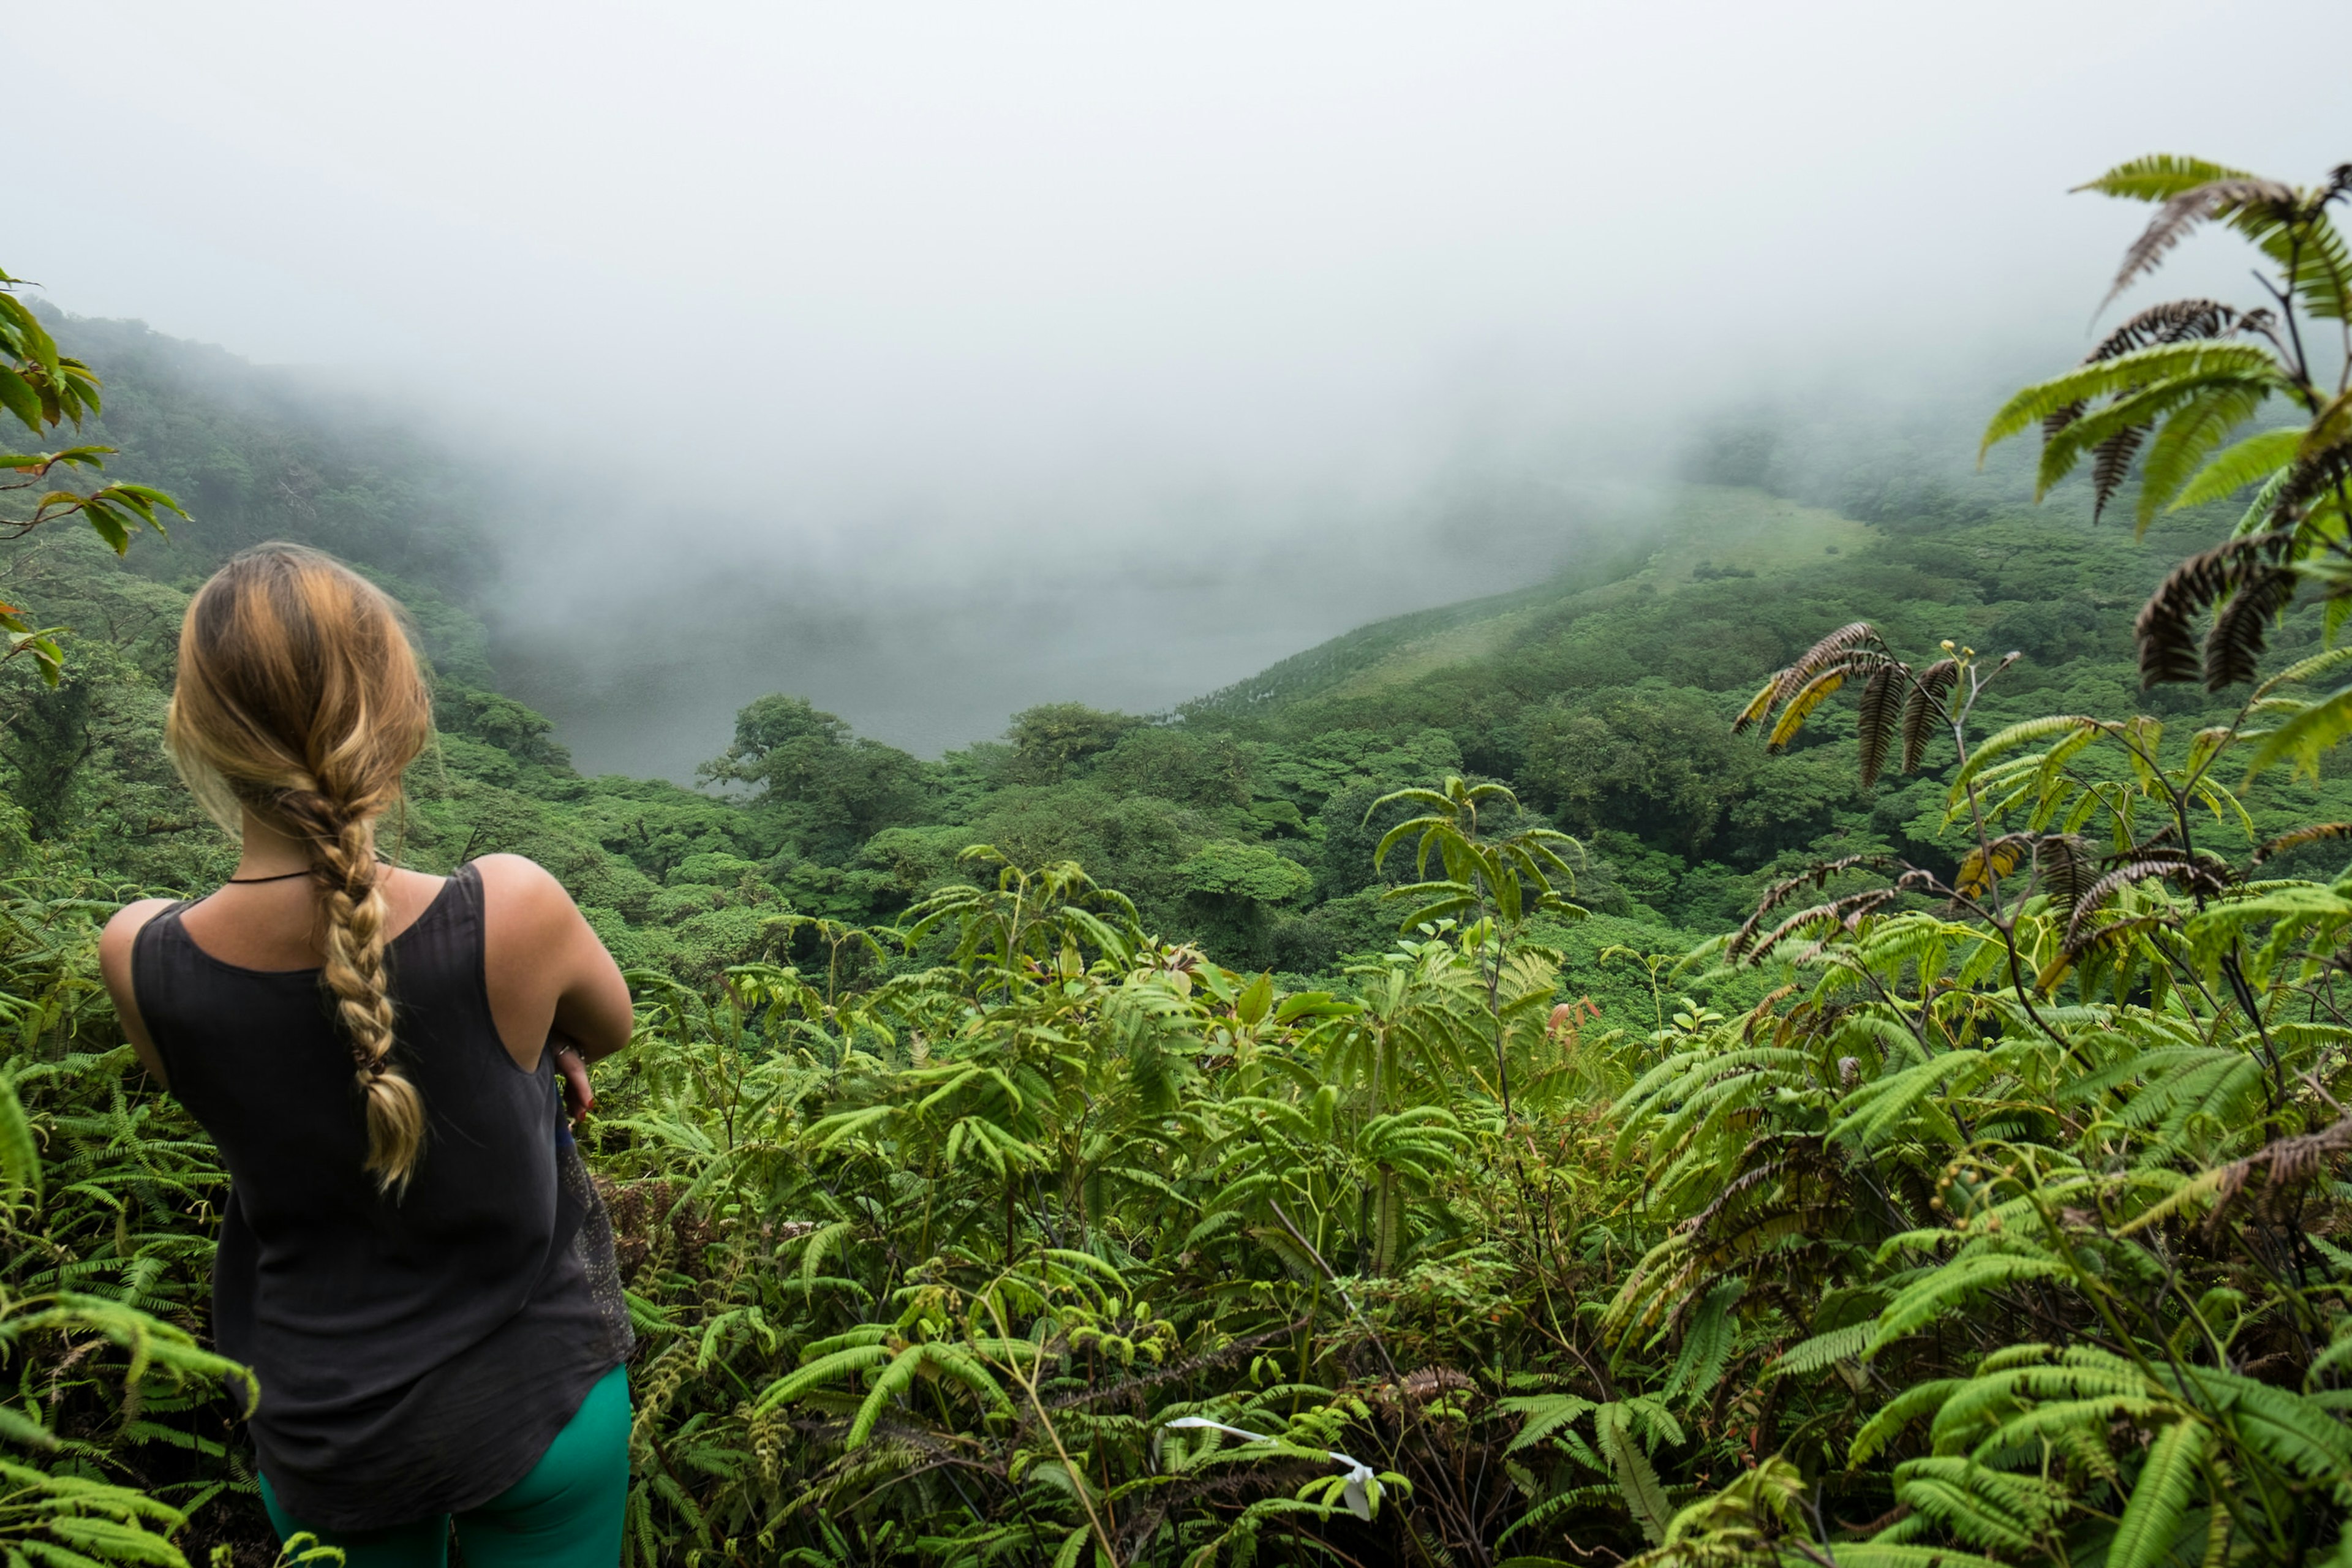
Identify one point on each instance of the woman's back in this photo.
(411, 1258)
(417, 1347)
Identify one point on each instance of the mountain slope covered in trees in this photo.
(1968, 1193)
(1602, 697)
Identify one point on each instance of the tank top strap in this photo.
(443, 949)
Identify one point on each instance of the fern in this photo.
(1977, 1271)
(2160, 1498)
(2315, 728)
(1637, 1480)
(2251, 461)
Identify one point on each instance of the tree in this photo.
(1232, 889)
(1651, 762)
(1050, 738)
(829, 790)
(44, 389)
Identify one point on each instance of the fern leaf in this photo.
(1921, 1399)
(2316, 729)
(2111, 463)
(1997, 746)
(1637, 1480)
(1875, 719)
(821, 1240)
(2177, 363)
(1546, 1414)
(2066, 865)
(1706, 1342)
(1964, 1498)
(20, 1154)
(896, 1379)
(2160, 1498)
(2174, 321)
(1924, 708)
(1834, 649)
(1821, 1349)
(1983, 866)
(2312, 834)
(1758, 705)
(2234, 648)
(2251, 461)
(824, 1370)
(2158, 177)
(2291, 1429)
(2218, 197)
(1880, 1109)
(2330, 428)
(1880, 1554)
(1800, 706)
(2188, 437)
(2166, 625)
(1964, 1278)
(2302, 669)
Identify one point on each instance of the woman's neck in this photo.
(269, 853)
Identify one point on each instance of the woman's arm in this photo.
(114, 964)
(546, 970)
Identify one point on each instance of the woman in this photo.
(411, 1259)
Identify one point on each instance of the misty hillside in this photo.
(1902, 1128)
(1703, 534)
(1602, 696)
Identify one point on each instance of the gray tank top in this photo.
(415, 1356)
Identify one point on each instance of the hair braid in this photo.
(351, 898)
(300, 701)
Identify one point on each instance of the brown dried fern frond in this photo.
(1924, 708)
(2175, 321)
(2192, 874)
(1779, 893)
(2312, 476)
(2312, 834)
(2213, 200)
(1829, 650)
(2234, 648)
(2066, 866)
(1877, 717)
(2287, 1162)
(2111, 462)
(2166, 627)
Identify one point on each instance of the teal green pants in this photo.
(565, 1514)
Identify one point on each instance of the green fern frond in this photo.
(2150, 1527)
(2254, 460)
(2317, 728)
(1955, 1284)
(2181, 446)
(2160, 178)
(1994, 747)
(2183, 365)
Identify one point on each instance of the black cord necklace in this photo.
(281, 877)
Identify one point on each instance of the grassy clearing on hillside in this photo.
(1707, 533)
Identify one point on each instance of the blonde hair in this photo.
(300, 700)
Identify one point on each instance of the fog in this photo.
(933, 361)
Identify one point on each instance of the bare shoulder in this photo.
(115, 941)
(114, 945)
(520, 889)
(517, 874)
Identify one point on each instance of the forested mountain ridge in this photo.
(1603, 696)
(2001, 1222)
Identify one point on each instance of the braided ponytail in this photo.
(300, 700)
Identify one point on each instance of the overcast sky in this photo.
(1042, 300)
